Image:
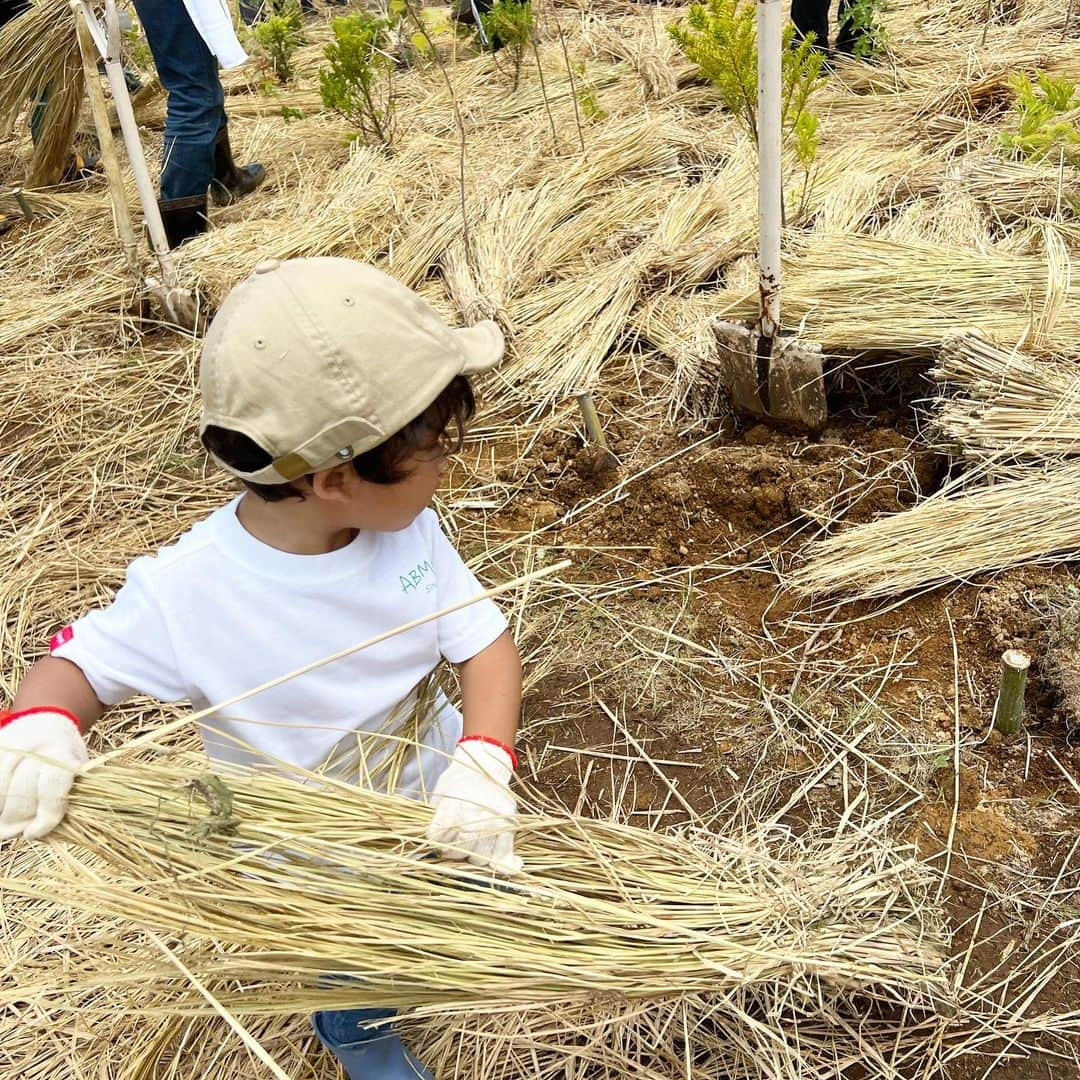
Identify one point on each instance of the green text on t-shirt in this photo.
(414, 577)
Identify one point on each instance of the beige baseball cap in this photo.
(318, 360)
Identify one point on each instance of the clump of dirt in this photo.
(983, 835)
(1061, 661)
(718, 500)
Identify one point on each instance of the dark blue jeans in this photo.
(196, 104)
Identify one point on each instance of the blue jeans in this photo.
(196, 104)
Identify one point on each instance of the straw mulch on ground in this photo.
(604, 247)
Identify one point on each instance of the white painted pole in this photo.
(770, 26)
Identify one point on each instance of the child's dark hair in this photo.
(385, 464)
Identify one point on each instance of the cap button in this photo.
(267, 266)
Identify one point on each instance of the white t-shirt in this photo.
(220, 612)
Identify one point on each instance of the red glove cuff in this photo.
(8, 717)
(493, 742)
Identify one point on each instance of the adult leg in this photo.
(811, 17)
(196, 102)
(194, 114)
(232, 181)
(846, 35)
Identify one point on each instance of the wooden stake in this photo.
(601, 459)
(592, 420)
(100, 111)
(24, 204)
(1009, 707)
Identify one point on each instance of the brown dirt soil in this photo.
(739, 507)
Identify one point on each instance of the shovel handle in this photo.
(770, 23)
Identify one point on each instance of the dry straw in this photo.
(1000, 405)
(642, 237)
(950, 537)
(859, 292)
(646, 46)
(39, 54)
(310, 879)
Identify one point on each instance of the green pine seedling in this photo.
(1041, 128)
(720, 37)
(510, 24)
(805, 140)
(1060, 93)
(590, 105)
(278, 36)
(586, 97)
(358, 83)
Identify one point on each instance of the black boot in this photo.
(183, 218)
(230, 181)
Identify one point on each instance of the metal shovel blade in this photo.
(787, 386)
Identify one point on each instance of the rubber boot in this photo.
(367, 1054)
(230, 181)
(183, 218)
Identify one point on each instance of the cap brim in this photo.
(482, 345)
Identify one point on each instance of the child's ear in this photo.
(334, 484)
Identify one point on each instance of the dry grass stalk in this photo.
(1016, 189)
(1004, 405)
(39, 51)
(746, 925)
(352, 213)
(950, 537)
(865, 292)
(529, 232)
(648, 49)
(99, 421)
(681, 329)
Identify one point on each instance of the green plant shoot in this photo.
(721, 38)
(869, 32)
(136, 49)
(358, 83)
(510, 24)
(278, 36)
(1041, 127)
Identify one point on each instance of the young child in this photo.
(334, 394)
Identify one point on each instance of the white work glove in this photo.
(474, 809)
(40, 752)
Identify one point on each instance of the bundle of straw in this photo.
(1013, 189)
(997, 404)
(681, 328)
(650, 51)
(949, 537)
(866, 292)
(39, 53)
(350, 215)
(312, 878)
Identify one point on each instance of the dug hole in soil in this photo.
(740, 507)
